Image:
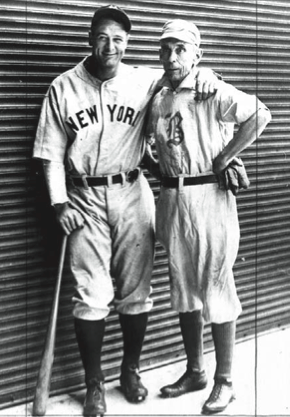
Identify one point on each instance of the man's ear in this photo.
(127, 39)
(199, 54)
(90, 38)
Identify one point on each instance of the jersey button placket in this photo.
(104, 138)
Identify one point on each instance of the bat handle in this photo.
(59, 274)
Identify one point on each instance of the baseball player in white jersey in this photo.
(90, 140)
(197, 220)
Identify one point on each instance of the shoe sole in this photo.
(134, 400)
(207, 411)
(174, 395)
(92, 413)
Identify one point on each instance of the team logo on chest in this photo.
(174, 129)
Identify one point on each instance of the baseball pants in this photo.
(198, 226)
(111, 257)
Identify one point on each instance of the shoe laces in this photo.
(95, 387)
(133, 371)
(98, 387)
(217, 389)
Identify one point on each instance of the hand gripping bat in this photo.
(44, 375)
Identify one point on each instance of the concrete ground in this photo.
(261, 378)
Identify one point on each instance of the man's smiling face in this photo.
(109, 41)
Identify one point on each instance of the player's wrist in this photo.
(60, 207)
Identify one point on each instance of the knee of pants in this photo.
(134, 308)
(92, 300)
(135, 303)
(83, 311)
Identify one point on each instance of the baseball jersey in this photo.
(94, 126)
(189, 135)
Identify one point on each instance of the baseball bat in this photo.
(45, 369)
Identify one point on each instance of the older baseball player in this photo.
(196, 219)
(90, 131)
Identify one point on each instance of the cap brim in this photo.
(179, 36)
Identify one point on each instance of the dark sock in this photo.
(90, 335)
(191, 325)
(224, 341)
(133, 328)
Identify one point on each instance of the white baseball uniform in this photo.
(198, 225)
(95, 128)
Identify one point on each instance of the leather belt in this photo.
(173, 182)
(86, 181)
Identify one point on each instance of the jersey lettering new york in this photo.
(85, 117)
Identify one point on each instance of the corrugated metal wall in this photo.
(248, 42)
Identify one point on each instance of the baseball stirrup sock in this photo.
(90, 335)
(224, 341)
(133, 328)
(191, 325)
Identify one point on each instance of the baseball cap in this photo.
(182, 30)
(114, 12)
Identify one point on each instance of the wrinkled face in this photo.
(177, 58)
(109, 41)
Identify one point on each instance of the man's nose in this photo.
(109, 44)
(172, 56)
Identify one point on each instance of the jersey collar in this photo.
(83, 72)
(187, 83)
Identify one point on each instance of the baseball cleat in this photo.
(131, 385)
(95, 404)
(188, 382)
(221, 396)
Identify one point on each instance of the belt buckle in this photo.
(132, 176)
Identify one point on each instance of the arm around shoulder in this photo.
(206, 83)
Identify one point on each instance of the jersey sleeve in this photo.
(54, 173)
(235, 106)
(51, 137)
